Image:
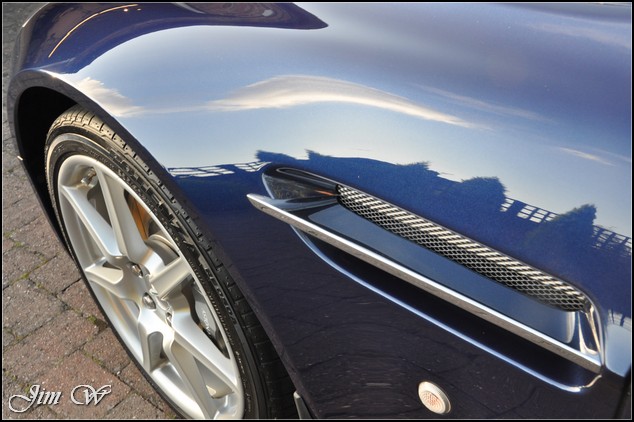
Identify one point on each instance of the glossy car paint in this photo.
(491, 120)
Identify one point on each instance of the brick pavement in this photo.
(53, 335)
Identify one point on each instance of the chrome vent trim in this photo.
(581, 354)
(464, 251)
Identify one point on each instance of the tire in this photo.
(170, 301)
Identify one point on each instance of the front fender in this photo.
(509, 124)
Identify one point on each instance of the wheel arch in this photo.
(32, 122)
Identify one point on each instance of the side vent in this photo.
(464, 251)
(514, 296)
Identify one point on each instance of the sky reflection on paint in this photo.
(513, 95)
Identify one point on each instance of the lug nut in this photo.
(148, 301)
(136, 269)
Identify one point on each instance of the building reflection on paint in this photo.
(568, 245)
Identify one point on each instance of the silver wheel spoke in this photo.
(112, 280)
(125, 228)
(152, 263)
(186, 366)
(192, 339)
(170, 277)
(150, 329)
(98, 228)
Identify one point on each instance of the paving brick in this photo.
(47, 346)
(135, 407)
(7, 244)
(84, 372)
(17, 263)
(78, 298)
(38, 236)
(8, 339)
(25, 308)
(6, 133)
(106, 349)
(29, 210)
(38, 413)
(133, 377)
(14, 183)
(57, 274)
(9, 159)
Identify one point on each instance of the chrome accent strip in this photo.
(274, 208)
(300, 405)
(464, 251)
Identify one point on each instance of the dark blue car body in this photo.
(507, 124)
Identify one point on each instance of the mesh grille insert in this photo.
(464, 251)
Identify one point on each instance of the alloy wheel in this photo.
(148, 290)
